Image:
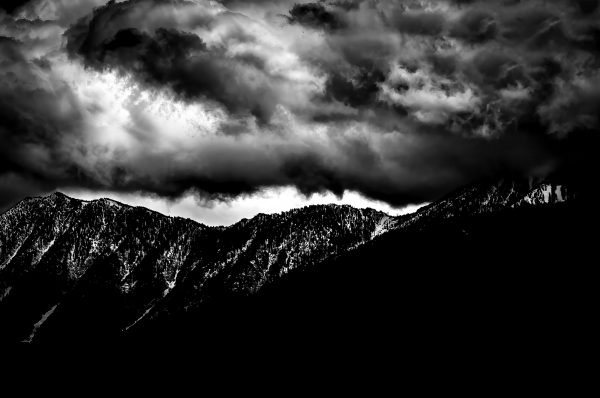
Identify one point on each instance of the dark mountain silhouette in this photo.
(489, 254)
(509, 278)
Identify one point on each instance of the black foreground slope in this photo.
(515, 275)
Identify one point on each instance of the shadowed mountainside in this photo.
(72, 270)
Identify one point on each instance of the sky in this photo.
(217, 110)
(228, 212)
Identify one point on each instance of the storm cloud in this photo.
(11, 6)
(400, 101)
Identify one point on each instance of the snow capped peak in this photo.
(489, 196)
(546, 193)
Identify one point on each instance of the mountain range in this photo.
(73, 270)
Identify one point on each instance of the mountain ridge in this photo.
(48, 245)
(60, 194)
(62, 257)
(489, 196)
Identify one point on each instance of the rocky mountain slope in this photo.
(488, 197)
(516, 280)
(52, 246)
(70, 269)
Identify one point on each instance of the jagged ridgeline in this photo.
(51, 247)
(71, 269)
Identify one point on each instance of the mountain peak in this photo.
(165, 265)
(111, 202)
(57, 194)
(489, 195)
(59, 198)
(52, 198)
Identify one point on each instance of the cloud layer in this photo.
(400, 101)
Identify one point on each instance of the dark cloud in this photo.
(496, 58)
(357, 90)
(179, 60)
(315, 15)
(588, 6)
(401, 101)
(183, 62)
(417, 22)
(236, 3)
(34, 115)
(475, 26)
(11, 6)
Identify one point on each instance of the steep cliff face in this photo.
(50, 248)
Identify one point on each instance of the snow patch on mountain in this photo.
(385, 224)
(41, 251)
(545, 194)
(5, 293)
(39, 323)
